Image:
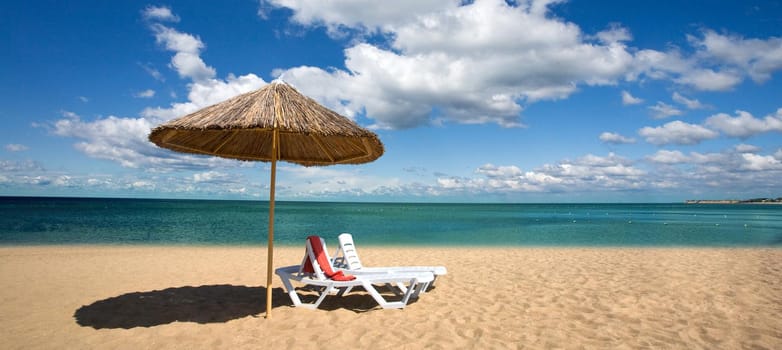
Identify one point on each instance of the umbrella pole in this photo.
(270, 250)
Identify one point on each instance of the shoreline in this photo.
(130, 297)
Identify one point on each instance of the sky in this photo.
(475, 101)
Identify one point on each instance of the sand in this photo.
(96, 297)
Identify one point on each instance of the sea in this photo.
(75, 221)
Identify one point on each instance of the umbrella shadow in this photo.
(201, 304)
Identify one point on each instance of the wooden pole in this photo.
(270, 251)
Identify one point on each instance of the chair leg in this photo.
(322, 291)
(391, 304)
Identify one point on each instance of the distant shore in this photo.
(735, 201)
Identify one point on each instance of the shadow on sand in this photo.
(202, 304)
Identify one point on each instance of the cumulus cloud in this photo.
(677, 157)
(341, 16)
(149, 93)
(440, 61)
(614, 138)
(212, 176)
(628, 99)
(719, 62)
(586, 173)
(186, 61)
(205, 93)
(313, 182)
(124, 139)
(502, 171)
(689, 103)
(668, 157)
(745, 148)
(677, 132)
(9, 166)
(689, 71)
(744, 125)
(15, 147)
(710, 80)
(760, 163)
(161, 13)
(737, 169)
(437, 68)
(759, 58)
(663, 110)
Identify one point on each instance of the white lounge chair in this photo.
(346, 259)
(316, 270)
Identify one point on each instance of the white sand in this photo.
(193, 298)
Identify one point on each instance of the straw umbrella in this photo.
(274, 123)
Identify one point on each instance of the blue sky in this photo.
(484, 101)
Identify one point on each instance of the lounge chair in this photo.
(346, 259)
(316, 270)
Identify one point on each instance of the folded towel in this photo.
(323, 262)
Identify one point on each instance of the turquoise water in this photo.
(146, 221)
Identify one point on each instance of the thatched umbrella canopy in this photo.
(270, 124)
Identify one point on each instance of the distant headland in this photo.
(777, 200)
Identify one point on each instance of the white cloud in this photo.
(744, 124)
(84, 99)
(677, 157)
(161, 13)
(502, 171)
(760, 163)
(663, 110)
(616, 33)
(148, 93)
(587, 173)
(691, 104)
(205, 93)
(211, 176)
(124, 140)
(759, 58)
(677, 132)
(688, 71)
(745, 148)
(614, 138)
(719, 63)
(437, 67)
(710, 80)
(628, 99)
(187, 48)
(431, 64)
(15, 147)
(339, 16)
(314, 182)
(668, 157)
(734, 170)
(10, 166)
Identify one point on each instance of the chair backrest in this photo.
(349, 253)
(310, 263)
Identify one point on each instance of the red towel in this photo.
(323, 262)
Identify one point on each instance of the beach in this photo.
(185, 297)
